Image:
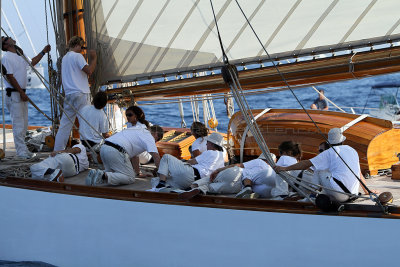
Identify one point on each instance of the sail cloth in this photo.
(141, 39)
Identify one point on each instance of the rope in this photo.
(183, 123)
(319, 130)
(42, 79)
(237, 92)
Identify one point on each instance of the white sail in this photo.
(148, 38)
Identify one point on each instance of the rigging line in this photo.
(237, 91)
(366, 102)
(285, 81)
(49, 66)
(224, 57)
(42, 79)
(30, 101)
(253, 126)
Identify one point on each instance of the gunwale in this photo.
(208, 201)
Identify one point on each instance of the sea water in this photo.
(354, 93)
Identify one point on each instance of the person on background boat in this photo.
(15, 83)
(341, 178)
(74, 72)
(320, 103)
(137, 119)
(200, 132)
(63, 163)
(229, 179)
(96, 118)
(180, 175)
(119, 151)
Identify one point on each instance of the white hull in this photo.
(69, 230)
(33, 80)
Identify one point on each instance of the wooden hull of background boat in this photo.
(71, 229)
(375, 140)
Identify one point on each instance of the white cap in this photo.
(335, 136)
(216, 139)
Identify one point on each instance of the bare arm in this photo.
(15, 85)
(89, 69)
(156, 158)
(135, 165)
(302, 165)
(192, 161)
(196, 153)
(37, 58)
(215, 173)
(105, 135)
(72, 150)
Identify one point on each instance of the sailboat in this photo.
(160, 48)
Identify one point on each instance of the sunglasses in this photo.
(129, 114)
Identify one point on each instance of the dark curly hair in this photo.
(100, 100)
(139, 115)
(290, 148)
(158, 130)
(199, 129)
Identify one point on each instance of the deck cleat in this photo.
(385, 198)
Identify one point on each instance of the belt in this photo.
(117, 147)
(88, 143)
(196, 174)
(339, 183)
(76, 162)
(9, 90)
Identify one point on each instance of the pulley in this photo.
(49, 141)
(385, 198)
(213, 123)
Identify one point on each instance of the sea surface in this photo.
(355, 93)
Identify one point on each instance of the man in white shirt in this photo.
(63, 163)
(177, 174)
(343, 178)
(15, 84)
(74, 72)
(94, 114)
(119, 152)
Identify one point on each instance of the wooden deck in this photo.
(382, 182)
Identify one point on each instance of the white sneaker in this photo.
(245, 191)
(57, 175)
(98, 178)
(29, 155)
(90, 177)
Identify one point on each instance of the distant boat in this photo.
(33, 80)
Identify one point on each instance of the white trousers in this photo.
(117, 166)
(227, 182)
(263, 183)
(325, 179)
(78, 101)
(19, 118)
(61, 161)
(179, 174)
